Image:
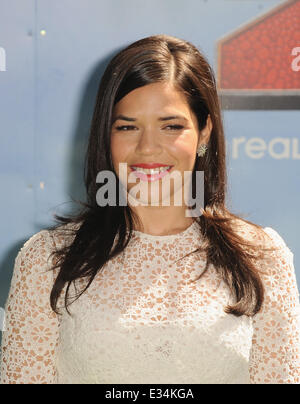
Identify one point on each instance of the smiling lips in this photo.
(150, 171)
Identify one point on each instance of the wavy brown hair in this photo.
(150, 60)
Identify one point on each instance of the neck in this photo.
(157, 220)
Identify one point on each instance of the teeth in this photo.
(151, 171)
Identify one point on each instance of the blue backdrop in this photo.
(52, 56)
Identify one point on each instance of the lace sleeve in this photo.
(275, 353)
(30, 339)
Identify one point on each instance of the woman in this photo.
(146, 293)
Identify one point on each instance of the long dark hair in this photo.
(149, 60)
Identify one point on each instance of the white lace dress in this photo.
(143, 321)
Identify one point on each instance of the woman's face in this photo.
(154, 124)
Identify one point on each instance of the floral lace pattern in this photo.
(144, 320)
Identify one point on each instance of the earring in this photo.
(201, 150)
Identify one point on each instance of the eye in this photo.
(175, 127)
(130, 127)
(124, 126)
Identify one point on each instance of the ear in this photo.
(206, 132)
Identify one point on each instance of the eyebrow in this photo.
(163, 118)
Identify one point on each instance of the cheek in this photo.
(114, 148)
(185, 150)
(119, 150)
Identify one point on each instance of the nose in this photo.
(148, 143)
